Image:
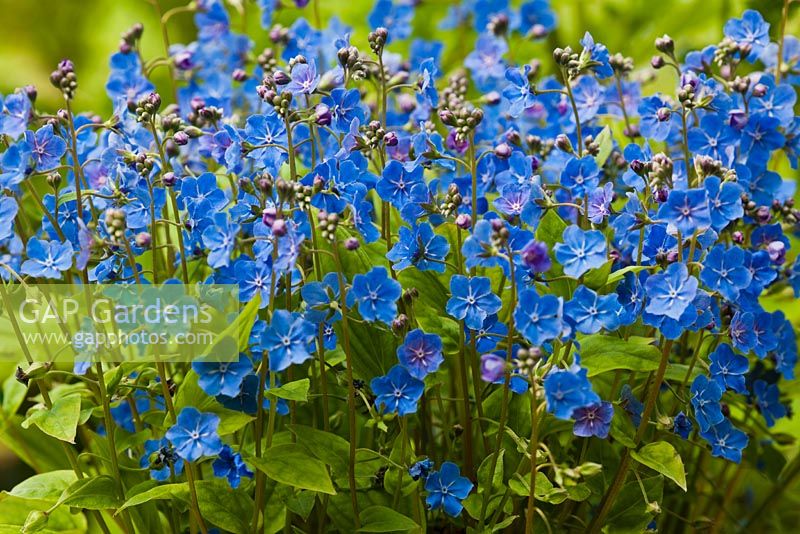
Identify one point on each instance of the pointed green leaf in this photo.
(60, 421)
(293, 465)
(662, 457)
(384, 519)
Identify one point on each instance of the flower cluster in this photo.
(512, 271)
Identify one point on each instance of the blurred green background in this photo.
(38, 33)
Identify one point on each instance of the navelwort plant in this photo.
(478, 297)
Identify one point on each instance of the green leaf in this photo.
(600, 354)
(60, 421)
(484, 472)
(629, 512)
(326, 446)
(73, 195)
(292, 391)
(597, 278)
(44, 486)
(606, 143)
(166, 491)
(550, 231)
(384, 519)
(229, 509)
(191, 394)
(293, 465)
(622, 428)
(662, 457)
(619, 274)
(95, 493)
(14, 393)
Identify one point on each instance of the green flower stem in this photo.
(616, 485)
(533, 446)
(578, 131)
(466, 419)
(351, 392)
(779, 64)
(501, 428)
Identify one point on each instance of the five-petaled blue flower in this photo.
(728, 368)
(420, 353)
(421, 247)
(194, 435)
(593, 420)
(397, 391)
(539, 318)
(287, 339)
(686, 211)
(46, 147)
(47, 259)
(472, 300)
(222, 378)
(706, 395)
(376, 295)
(446, 489)
(230, 464)
(581, 250)
(725, 271)
(566, 390)
(670, 292)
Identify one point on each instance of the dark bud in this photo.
(456, 431)
(143, 240)
(632, 131)
(665, 44)
(725, 409)
(281, 78)
(737, 237)
(351, 243)
(660, 195)
(169, 179)
(400, 323)
(763, 215)
(239, 75)
(657, 62)
(279, 228)
(564, 144)
(738, 119)
(181, 138)
(53, 180)
(502, 151)
(492, 98)
(197, 103)
(183, 60)
(20, 376)
(322, 115)
(663, 114)
(447, 117)
(390, 139)
(31, 92)
(759, 90)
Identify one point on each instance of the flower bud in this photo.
(279, 228)
(502, 151)
(493, 368)
(390, 139)
(322, 115)
(143, 240)
(169, 179)
(464, 221)
(181, 138)
(759, 90)
(663, 114)
(657, 62)
(351, 243)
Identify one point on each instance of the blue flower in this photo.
(686, 211)
(46, 147)
(598, 54)
(566, 390)
(396, 17)
(632, 406)
(321, 299)
(421, 469)
(655, 118)
(742, 331)
(682, 425)
(580, 175)
(724, 201)
(287, 340)
(513, 199)
(581, 250)
(8, 212)
(589, 97)
(537, 19)
(421, 247)
(590, 312)
(480, 249)
(376, 295)
(600, 203)
(671, 291)
(397, 184)
(593, 420)
(224, 378)
(220, 238)
(725, 271)
(47, 259)
(472, 300)
(752, 30)
(726, 440)
(518, 91)
(728, 368)
(706, 395)
(345, 107)
(304, 78)
(760, 137)
(539, 318)
(713, 138)
(160, 458)
(420, 353)
(446, 489)
(768, 401)
(254, 277)
(231, 465)
(397, 391)
(485, 63)
(194, 435)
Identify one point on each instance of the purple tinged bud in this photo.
(657, 62)
(759, 90)
(660, 195)
(493, 368)
(197, 103)
(181, 138)
(464, 221)
(281, 78)
(239, 75)
(563, 143)
(538, 31)
(763, 215)
(279, 228)
(502, 151)
(672, 256)
(143, 240)
(31, 91)
(322, 115)
(125, 47)
(492, 98)
(738, 237)
(535, 163)
(453, 143)
(663, 114)
(406, 102)
(535, 257)
(169, 179)
(738, 119)
(497, 225)
(777, 252)
(268, 216)
(390, 139)
(183, 60)
(351, 243)
(638, 166)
